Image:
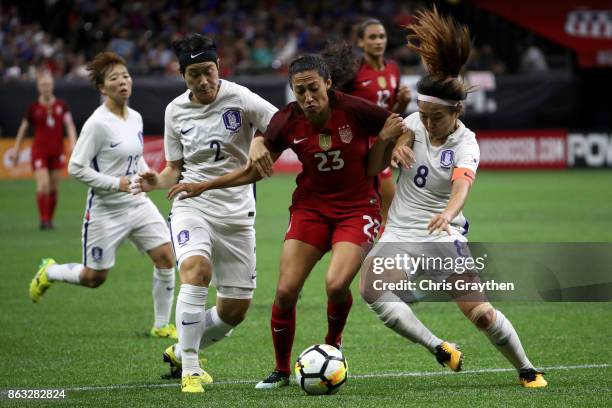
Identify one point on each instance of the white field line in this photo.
(352, 377)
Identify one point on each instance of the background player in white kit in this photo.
(431, 192)
(208, 132)
(107, 154)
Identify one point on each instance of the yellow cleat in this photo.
(449, 354)
(41, 283)
(165, 332)
(531, 378)
(191, 383)
(176, 366)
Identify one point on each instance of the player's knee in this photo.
(337, 290)
(286, 296)
(163, 258)
(195, 271)
(483, 315)
(234, 316)
(93, 279)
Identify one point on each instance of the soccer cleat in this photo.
(176, 366)
(276, 379)
(191, 383)
(41, 283)
(167, 332)
(531, 378)
(449, 354)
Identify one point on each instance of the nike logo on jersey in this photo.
(197, 55)
(188, 323)
(169, 288)
(183, 132)
(366, 83)
(296, 141)
(253, 276)
(113, 145)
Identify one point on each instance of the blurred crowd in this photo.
(253, 37)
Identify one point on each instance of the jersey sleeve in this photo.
(468, 156)
(370, 116)
(259, 110)
(172, 142)
(274, 136)
(84, 153)
(87, 145)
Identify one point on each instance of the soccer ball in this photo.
(321, 369)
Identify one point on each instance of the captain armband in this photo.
(463, 173)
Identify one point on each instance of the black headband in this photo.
(195, 57)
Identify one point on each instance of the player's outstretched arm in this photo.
(459, 192)
(151, 180)
(247, 175)
(23, 129)
(380, 153)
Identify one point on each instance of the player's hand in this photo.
(124, 184)
(440, 222)
(14, 157)
(144, 182)
(393, 128)
(188, 190)
(402, 156)
(404, 95)
(259, 156)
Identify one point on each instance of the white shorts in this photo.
(229, 248)
(416, 244)
(104, 231)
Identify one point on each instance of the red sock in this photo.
(42, 199)
(337, 313)
(52, 203)
(283, 332)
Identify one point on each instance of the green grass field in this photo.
(93, 342)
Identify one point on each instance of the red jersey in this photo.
(48, 122)
(333, 157)
(379, 87)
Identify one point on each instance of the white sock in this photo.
(215, 329)
(190, 320)
(506, 340)
(70, 273)
(398, 316)
(163, 294)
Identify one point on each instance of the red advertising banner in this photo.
(522, 149)
(584, 26)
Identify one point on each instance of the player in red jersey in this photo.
(335, 205)
(48, 115)
(373, 78)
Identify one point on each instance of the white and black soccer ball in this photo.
(321, 369)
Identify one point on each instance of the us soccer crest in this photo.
(393, 81)
(382, 82)
(325, 141)
(346, 135)
(232, 120)
(447, 158)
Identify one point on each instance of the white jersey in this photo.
(107, 148)
(424, 190)
(213, 140)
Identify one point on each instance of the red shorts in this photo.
(41, 160)
(324, 231)
(386, 173)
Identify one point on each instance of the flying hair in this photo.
(444, 46)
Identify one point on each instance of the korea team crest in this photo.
(232, 120)
(447, 158)
(346, 135)
(325, 141)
